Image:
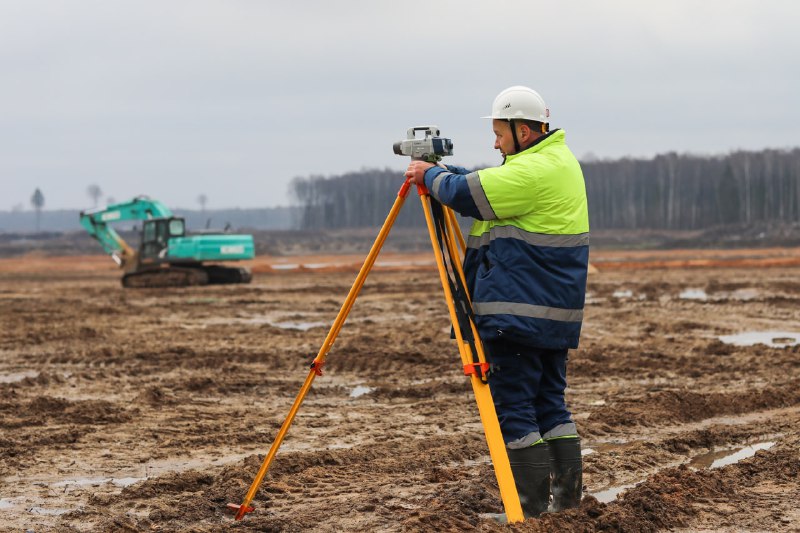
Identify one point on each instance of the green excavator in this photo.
(167, 255)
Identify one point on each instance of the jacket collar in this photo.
(557, 135)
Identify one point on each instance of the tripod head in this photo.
(431, 148)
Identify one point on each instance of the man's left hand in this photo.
(416, 171)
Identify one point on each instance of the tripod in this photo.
(445, 237)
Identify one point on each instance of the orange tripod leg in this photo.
(319, 360)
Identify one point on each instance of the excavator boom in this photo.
(98, 223)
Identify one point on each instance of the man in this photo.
(526, 266)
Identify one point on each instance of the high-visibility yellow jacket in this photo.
(528, 251)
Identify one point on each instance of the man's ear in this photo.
(524, 132)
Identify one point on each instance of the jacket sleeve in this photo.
(457, 170)
(462, 193)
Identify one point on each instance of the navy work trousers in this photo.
(527, 386)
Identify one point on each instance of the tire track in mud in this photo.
(658, 408)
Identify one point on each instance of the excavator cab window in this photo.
(177, 228)
(156, 235)
(148, 232)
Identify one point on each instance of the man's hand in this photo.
(416, 171)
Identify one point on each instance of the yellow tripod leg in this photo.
(455, 230)
(483, 396)
(319, 360)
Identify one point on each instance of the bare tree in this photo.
(202, 199)
(37, 201)
(95, 192)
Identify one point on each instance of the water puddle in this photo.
(387, 264)
(610, 494)
(18, 376)
(302, 326)
(307, 266)
(286, 266)
(742, 295)
(379, 264)
(19, 505)
(592, 298)
(720, 458)
(97, 481)
(693, 294)
(360, 390)
(773, 339)
(48, 512)
(258, 321)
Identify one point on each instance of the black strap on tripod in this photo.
(463, 308)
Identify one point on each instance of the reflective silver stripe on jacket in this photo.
(528, 310)
(479, 197)
(534, 239)
(437, 182)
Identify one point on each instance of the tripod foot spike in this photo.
(241, 510)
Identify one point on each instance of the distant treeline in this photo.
(667, 192)
(674, 191)
(355, 199)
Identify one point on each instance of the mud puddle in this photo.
(361, 390)
(18, 376)
(773, 339)
(720, 458)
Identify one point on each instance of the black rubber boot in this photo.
(531, 469)
(566, 466)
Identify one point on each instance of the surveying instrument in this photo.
(449, 249)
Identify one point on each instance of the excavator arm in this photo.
(97, 223)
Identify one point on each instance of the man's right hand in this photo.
(416, 171)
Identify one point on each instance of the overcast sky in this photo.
(234, 98)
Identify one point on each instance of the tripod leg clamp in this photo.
(317, 367)
(479, 370)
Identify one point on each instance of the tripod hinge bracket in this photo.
(317, 367)
(480, 370)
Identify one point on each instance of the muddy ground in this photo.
(140, 410)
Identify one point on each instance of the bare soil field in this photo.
(151, 410)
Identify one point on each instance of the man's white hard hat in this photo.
(519, 102)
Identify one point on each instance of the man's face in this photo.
(503, 140)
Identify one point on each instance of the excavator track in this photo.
(174, 276)
(220, 274)
(165, 277)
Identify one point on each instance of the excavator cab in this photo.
(156, 234)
